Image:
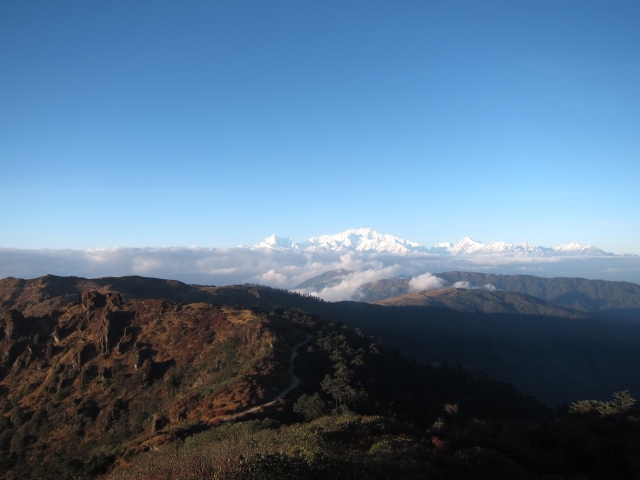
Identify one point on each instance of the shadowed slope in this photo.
(481, 301)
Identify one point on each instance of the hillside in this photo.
(86, 383)
(38, 295)
(101, 375)
(481, 301)
(558, 359)
(124, 381)
(605, 297)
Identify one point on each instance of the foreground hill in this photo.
(94, 379)
(148, 378)
(89, 381)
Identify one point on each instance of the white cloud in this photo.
(348, 285)
(469, 286)
(426, 281)
(272, 277)
(358, 269)
(286, 269)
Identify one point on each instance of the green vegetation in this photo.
(347, 445)
(621, 404)
(343, 446)
(310, 406)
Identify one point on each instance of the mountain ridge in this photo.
(482, 301)
(480, 340)
(604, 297)
(368, 240)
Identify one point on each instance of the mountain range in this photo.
(620, 299)
(367, 240)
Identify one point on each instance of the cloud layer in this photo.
(286, 269)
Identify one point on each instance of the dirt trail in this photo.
(295, 381)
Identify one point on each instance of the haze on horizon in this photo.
(165, 124)
(289, 268)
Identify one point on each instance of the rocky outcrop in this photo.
(56, 334)
(126, 341)
(92, 300)
(12, 325)
(106, 334)
(85, 354)
(140, 356)
(112, 329)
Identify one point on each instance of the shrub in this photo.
(310, 406)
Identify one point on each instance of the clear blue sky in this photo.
(156, 123)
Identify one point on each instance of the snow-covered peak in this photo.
(574, 248)
(274, 241)
(361, 240)
(501, 247)
(466, 246)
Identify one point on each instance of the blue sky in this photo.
(156, 123)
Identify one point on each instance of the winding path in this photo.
(166, 436)
(295, 381)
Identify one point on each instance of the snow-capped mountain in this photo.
(361, 240)
(276, 242)
(575, 248)
(353, 240)
(367, 240)
(468, 246)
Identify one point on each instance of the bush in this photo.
(18, 417)
(310, 406)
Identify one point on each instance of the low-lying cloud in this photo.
(469, 286)
(347, 287)
(286, 269)
(426, 281)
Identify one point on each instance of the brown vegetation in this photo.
(148, 379)
(98, 377)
